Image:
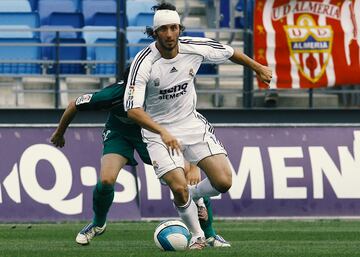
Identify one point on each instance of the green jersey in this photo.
(110, 99)
(121, 135)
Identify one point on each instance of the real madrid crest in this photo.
(191, 72)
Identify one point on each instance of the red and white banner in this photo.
(308, 44)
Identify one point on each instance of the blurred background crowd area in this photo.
(54, 50)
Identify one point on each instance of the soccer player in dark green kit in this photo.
(121, 136)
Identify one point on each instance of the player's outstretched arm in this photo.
(57, 138)
(264, 73)
(145, 121)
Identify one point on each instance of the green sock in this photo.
(103, 196)
(206, 226)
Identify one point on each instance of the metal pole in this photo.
(248, 73)
(120, 38)
(57, 70)
(311, 98)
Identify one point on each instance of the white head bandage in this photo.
(165, 17)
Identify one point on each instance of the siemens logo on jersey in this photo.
(173, 92)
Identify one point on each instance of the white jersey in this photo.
(165, 87)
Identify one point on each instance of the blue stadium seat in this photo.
(134, 7)
(89, 8)
(15, 6)
(106, 19)
(144, 19)
(193, 33)
(75, 20)
(225, 12)
(133, 37)
(26, 53)
(34, 5)
(20, 18)
(15, 31)
(62, 20)
(248, 14)
(133, 50)
(105, 53)
(47, 7)
(92, 33)
(23, 20)
(69, 53)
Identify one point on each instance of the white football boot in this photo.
(217, 241)
(88, 233)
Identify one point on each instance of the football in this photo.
(172, 235)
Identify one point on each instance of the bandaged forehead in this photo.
(165, 17)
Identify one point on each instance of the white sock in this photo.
(204, 188)
(189, 214)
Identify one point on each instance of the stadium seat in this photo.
(15, 6)
(47, 7)
(34, 5)
(75, 20)
(241, 16)
(23, 20)
(77, 53)
(133, 35)
(62, 21)
(134, 7)
(15, 31)
(133, 50)
(92, 33)
(144, 19)
(106, 19)
(105, 53)
(90, 7)
(225, 13)
(20, 53)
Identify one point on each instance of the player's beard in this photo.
(166, 46)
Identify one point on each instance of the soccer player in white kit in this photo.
(160, 96)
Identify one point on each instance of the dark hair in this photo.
(162, 6)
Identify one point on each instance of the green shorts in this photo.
(115, 142)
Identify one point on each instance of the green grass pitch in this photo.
(267, 238)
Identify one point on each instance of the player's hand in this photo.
(264, 73)
(57, 139)
(171, 142)
(192, 174)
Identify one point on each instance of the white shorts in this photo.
(198, 147)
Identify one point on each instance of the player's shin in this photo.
(103, 196)
(202, 189)
(188, 213)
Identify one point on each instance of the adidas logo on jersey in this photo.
(173, 70)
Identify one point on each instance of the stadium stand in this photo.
(34, 5)
(134, 35)
(134, 7)
(105, 19)
(93, 33)
(46, 8)
(90, 7)
(16, 50)
(105, 53)
(144, 19)
(15, 6)
(68, 53)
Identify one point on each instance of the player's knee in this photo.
(224, 184)
(181, 194)
(107, 181)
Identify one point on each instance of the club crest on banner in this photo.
(310, 46)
